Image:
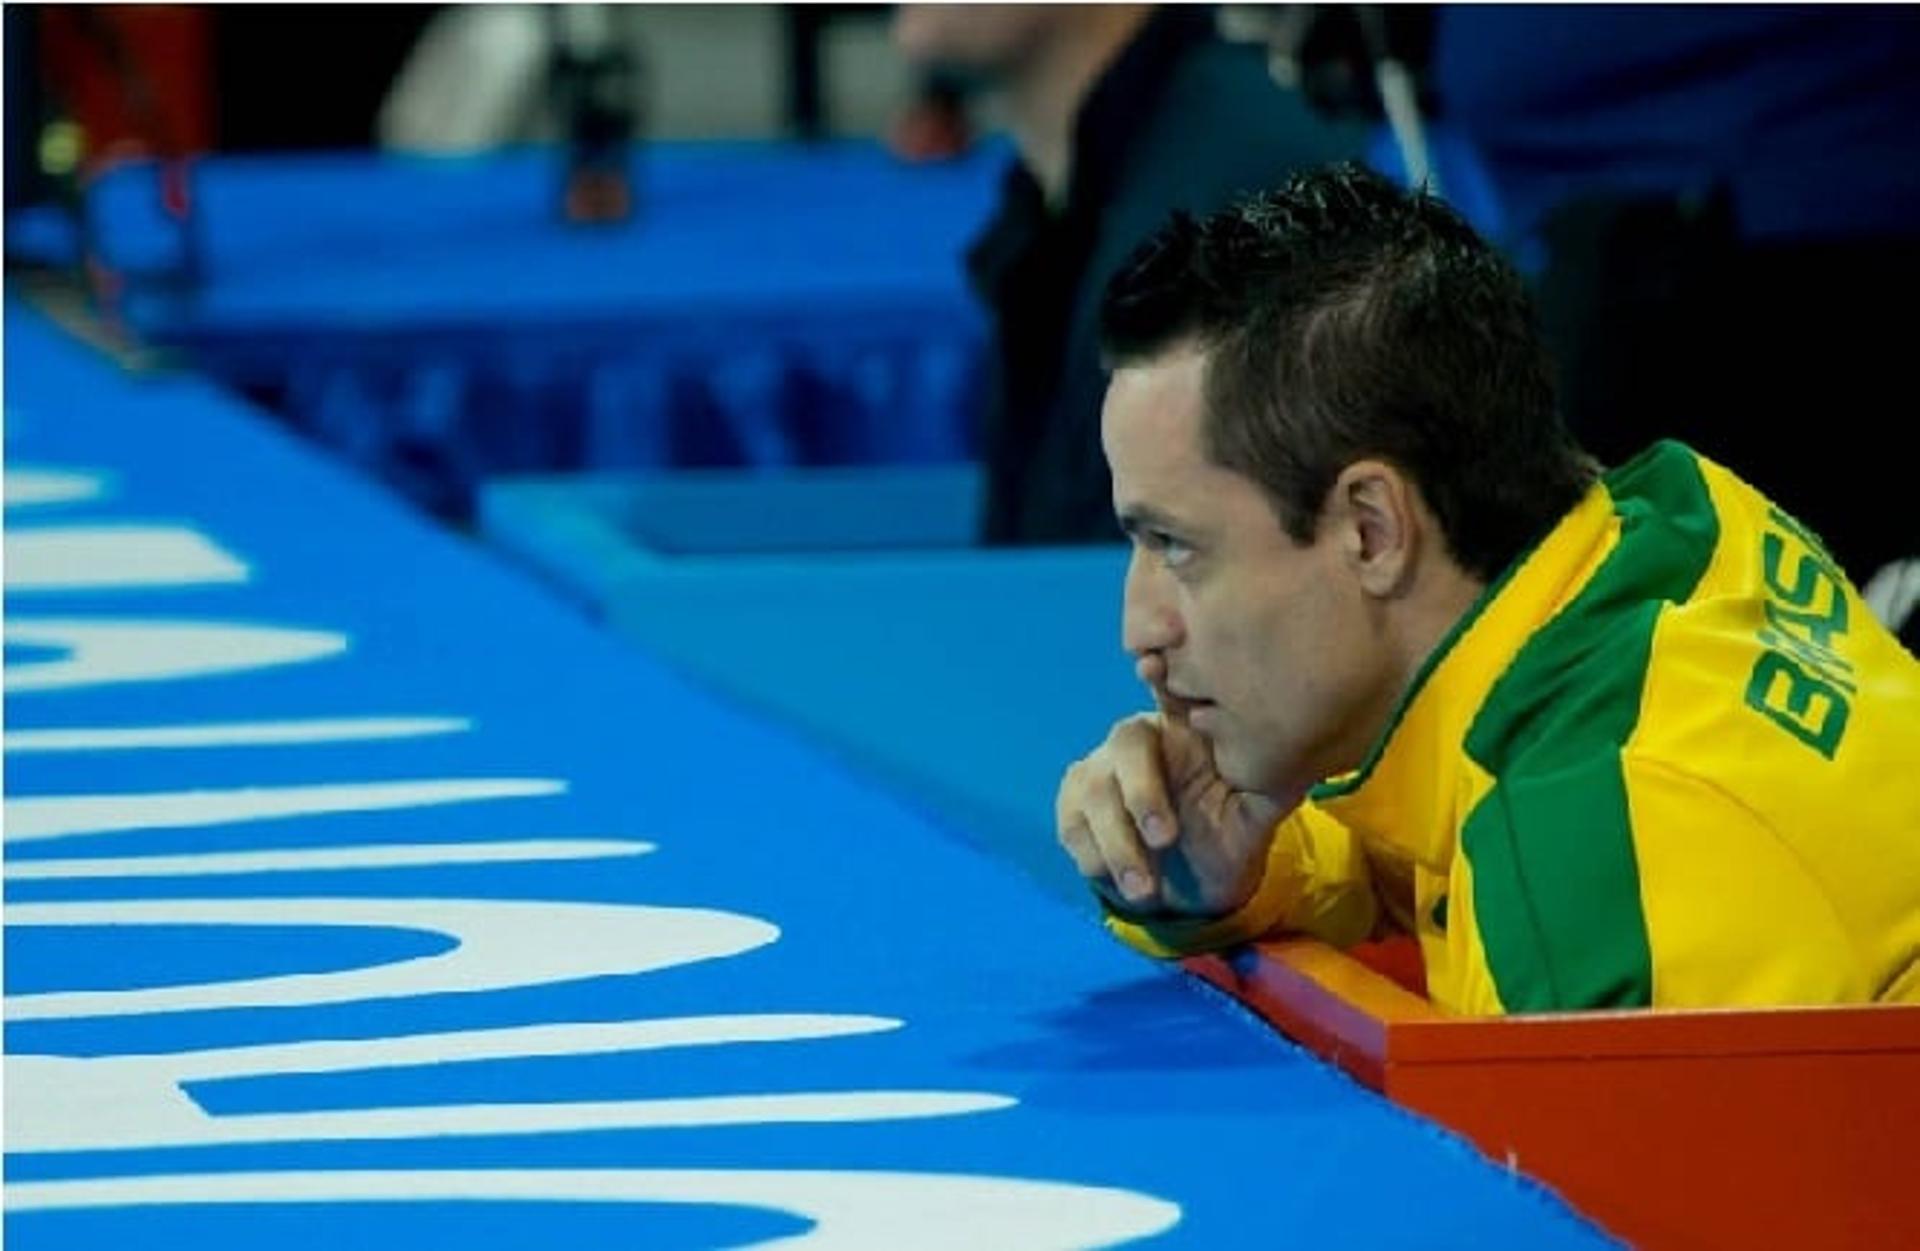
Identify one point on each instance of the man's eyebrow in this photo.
(1137, 517)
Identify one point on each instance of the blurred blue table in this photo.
(769, 304)
(360, 893)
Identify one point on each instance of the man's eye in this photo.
(1172, 550)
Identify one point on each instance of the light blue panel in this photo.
(970, 679)
(770, 588)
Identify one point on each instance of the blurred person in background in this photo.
(1121, 114)
(1730, 202)
(1725, 204)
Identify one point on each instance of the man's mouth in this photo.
(1185, 704)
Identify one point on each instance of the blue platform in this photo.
(360, 892)
(436, 320)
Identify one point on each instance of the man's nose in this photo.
(1148, 620)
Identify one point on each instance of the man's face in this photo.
(1271, 647)
(976, 42)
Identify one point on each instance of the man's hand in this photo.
(1154, 827)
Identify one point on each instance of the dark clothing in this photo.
(1789, 362)
(1808, 116)
(1180, 120)
(1729, 201)
(308, 76)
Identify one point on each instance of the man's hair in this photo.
(1344, 319)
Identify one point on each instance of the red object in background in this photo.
(136, 78)
(935, 127)
(598, 196)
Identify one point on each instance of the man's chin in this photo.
(1251, 776)
(1238, 772)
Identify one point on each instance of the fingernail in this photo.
(1133, 884)
(1155, 829)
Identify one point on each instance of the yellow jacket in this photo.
(1669, 759)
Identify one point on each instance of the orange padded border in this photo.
(1749, 1128)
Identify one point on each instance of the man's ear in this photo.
(1373, 511)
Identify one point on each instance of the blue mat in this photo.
(559, 951)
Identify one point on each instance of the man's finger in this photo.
(1119, 843)
(1175, 717)
(1077, 840)
(1070, 822)
(1141, 775)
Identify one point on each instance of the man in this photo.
(1597, 741)
(1121, 114)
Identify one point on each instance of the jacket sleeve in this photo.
(1315, 882)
